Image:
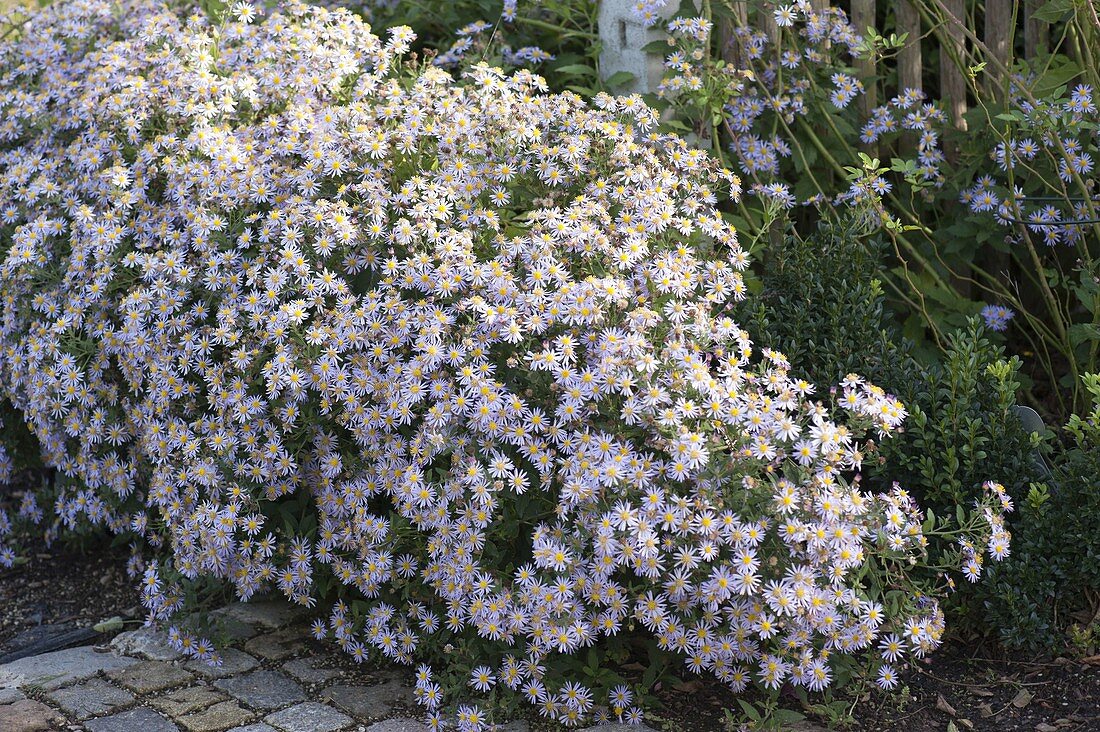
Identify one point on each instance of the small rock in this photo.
(91, 698)
(278, 645)
(263, 689)
(222, 715)
(149, 676)
(515, 726)
(370, 701)
(233, 630)
(7, 696)
(141, 719)
(184, 701)
(404, 724)
(309, 717)
(305, 671)
(28, 715)
(268, 613)
(146, 642)
(233, 662)
(53, 670)
(1044, 727)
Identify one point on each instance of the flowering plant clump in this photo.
(1049, 151)
(800, 72)
(456, 351)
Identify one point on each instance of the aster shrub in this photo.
(294, 315)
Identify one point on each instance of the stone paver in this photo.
(371, 701)
(90, 698)
(268, 613)
(398, 724)
(147, 643)
(309, 717)
(234, 662)
(221, 716)
(232, 630)
(278, 645)
(258, 727)
(149, 676)
(263, 689)
(183, 701)
(53, 670)
(7, 696)
(28, 715)
(305, 670)
(141, 719)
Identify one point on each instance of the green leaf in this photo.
(750, 711)
(1053, 11)
(576, 70)
(787, 716)
(619, 78)
(108, 626)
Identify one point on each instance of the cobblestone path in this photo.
(274, 678)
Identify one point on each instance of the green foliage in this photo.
(822, 306)
(1053, 575)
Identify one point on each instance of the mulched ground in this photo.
(63, 587)
(68, 586)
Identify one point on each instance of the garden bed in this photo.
(70, 586)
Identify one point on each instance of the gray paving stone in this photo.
(277, 645)
(258, 727)
(306, 670)
(371, 701)
(53, 670)
(234, 662)
(309, 717)
(398, 724)
(263, 689)
(141, 719)
(221, 716)
(28, 715)
(149, 676)
(90, 698)
(145, 642)
(184, 701)
(7, 696)
(268, 613)
(233, 630)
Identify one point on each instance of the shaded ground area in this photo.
(64, 589)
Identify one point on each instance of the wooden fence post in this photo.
(952, 54)
(863, 15)
(1036, 32)
(998, 38)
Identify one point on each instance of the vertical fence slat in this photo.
(729, 43)
(1036, 32)
(909, 57)
(998, 38)
(766, 22)
(909, 61)
(863, 15)
(952, 80)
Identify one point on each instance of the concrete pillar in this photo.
(623, 37)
